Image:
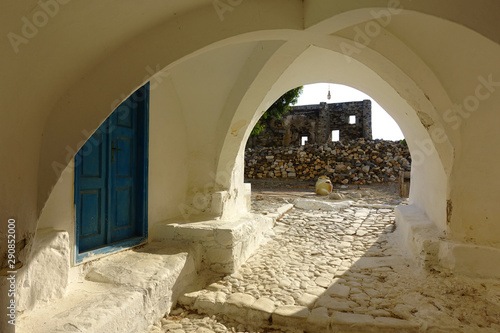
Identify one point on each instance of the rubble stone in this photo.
(347, 162)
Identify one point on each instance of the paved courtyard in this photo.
(338, 270)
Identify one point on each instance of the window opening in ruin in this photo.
(352, 120)
(303, 140)
(335, 135)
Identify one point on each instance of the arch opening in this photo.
(298, 145)
(320, 65)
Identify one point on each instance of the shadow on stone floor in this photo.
(378, 289)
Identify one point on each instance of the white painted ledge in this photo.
(470, 260)
(430, 249)
(123, 293)
(219, 246)
(419, 235)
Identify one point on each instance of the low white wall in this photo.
(432, 250)
(222, 246)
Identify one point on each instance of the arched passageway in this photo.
(321, 65)
(212, 73)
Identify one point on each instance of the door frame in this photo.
(141, 190)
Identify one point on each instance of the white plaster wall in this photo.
(167, 181)
(475, 219)
(168, 154)
(472, 121)
(167, 160)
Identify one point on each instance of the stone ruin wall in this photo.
(316, 122)
(277, 152)
(346, 162)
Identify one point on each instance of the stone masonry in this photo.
(347, 162)
(315, 123)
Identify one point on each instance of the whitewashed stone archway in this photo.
(433, 67)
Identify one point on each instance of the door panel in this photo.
(91, 212)
(124, 213)
(124, 157)
(111, 178)
(91, 188)
(123, 173)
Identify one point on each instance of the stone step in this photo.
(125, 292)
(263, 313)
(420, 235)
(220, 246)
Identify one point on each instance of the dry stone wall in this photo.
(346, 162)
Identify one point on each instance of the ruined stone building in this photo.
(317, 124)
(162, 97)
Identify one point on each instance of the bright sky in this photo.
(383, 126)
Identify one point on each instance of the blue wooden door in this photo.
(110, 180)
(90, 191)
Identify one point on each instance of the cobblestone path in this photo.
(337, 271)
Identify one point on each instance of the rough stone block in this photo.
(351, 319)
(264, 304)
(332, 303)
(318, 320)
(206, 303)
(241, 300)
(399, 325)
(47, 276)
(124, 292)
(220, 299)
(307, 300)
(260, 311)
(237, 306)
(316, 291)
(338, 290)
(290, 316)
(188, 299)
